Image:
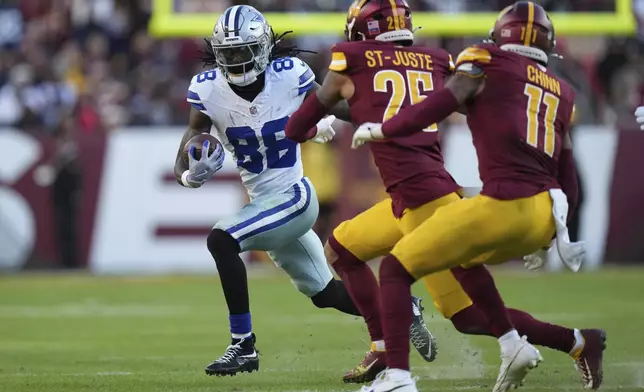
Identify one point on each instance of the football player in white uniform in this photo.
(247, 100)
(639, 114)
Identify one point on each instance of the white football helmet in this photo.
(242, 44)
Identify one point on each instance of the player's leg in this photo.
(369, 235)
(365, 237)
(258, 226)
(584, 346)
(457, 232)
(441, 284)
(304, 262)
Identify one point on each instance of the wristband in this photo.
(184, 179)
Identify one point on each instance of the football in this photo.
(197, 142)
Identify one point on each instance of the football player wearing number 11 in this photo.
(519, 115)
(247, 100)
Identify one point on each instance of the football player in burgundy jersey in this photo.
(379, 71)
(519, 114)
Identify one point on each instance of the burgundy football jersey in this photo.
(387, 78)
(518, 121)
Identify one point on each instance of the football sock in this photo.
(543, 334)
(232, 273)
(479, 286)
(335, 296)
(240, 325)
(578, 347)
(397, 315)
(362, 286)
(470, 321)
(378, 345)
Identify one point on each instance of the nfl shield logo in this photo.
(253, 110)
(374, 27)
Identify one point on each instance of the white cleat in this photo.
(518, 357)
(390, 380)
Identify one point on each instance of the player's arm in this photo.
(567, 174)
(198, 123)
(437, 107)
(302, 125)
(340, 108)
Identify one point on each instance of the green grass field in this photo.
(69, 333)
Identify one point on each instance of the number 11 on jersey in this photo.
(386, 81)
(535, 97)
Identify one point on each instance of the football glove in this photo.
(325, 131)
(366, 132)
(537, 260)
(639, 114)
(201, 170)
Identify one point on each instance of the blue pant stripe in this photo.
(284, 220)
(296, 199)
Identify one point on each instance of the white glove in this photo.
(366, 132)
(325, 131)
(639, 114)
(537, 260)
(200, 171)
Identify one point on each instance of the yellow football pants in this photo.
(376, 231)
(477, 230)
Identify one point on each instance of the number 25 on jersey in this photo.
(414, 85)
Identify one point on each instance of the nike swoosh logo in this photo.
(367, 368)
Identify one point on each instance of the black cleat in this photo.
(420, 336)
(239, 357)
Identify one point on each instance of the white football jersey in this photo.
(253, 132)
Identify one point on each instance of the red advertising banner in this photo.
(131, 216)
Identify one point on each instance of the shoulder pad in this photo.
(294, 72)
(306, 77)
(199, 86)
(474, 54)
(472, 61)
(339, 62)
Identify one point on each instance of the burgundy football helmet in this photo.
(526, 24)
(382, 20)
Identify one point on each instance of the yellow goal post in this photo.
(166, 22)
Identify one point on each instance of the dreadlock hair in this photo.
(278, 50)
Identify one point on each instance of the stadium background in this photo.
(90, 87)
(92, 107)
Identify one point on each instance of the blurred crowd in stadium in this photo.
(94, 58)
